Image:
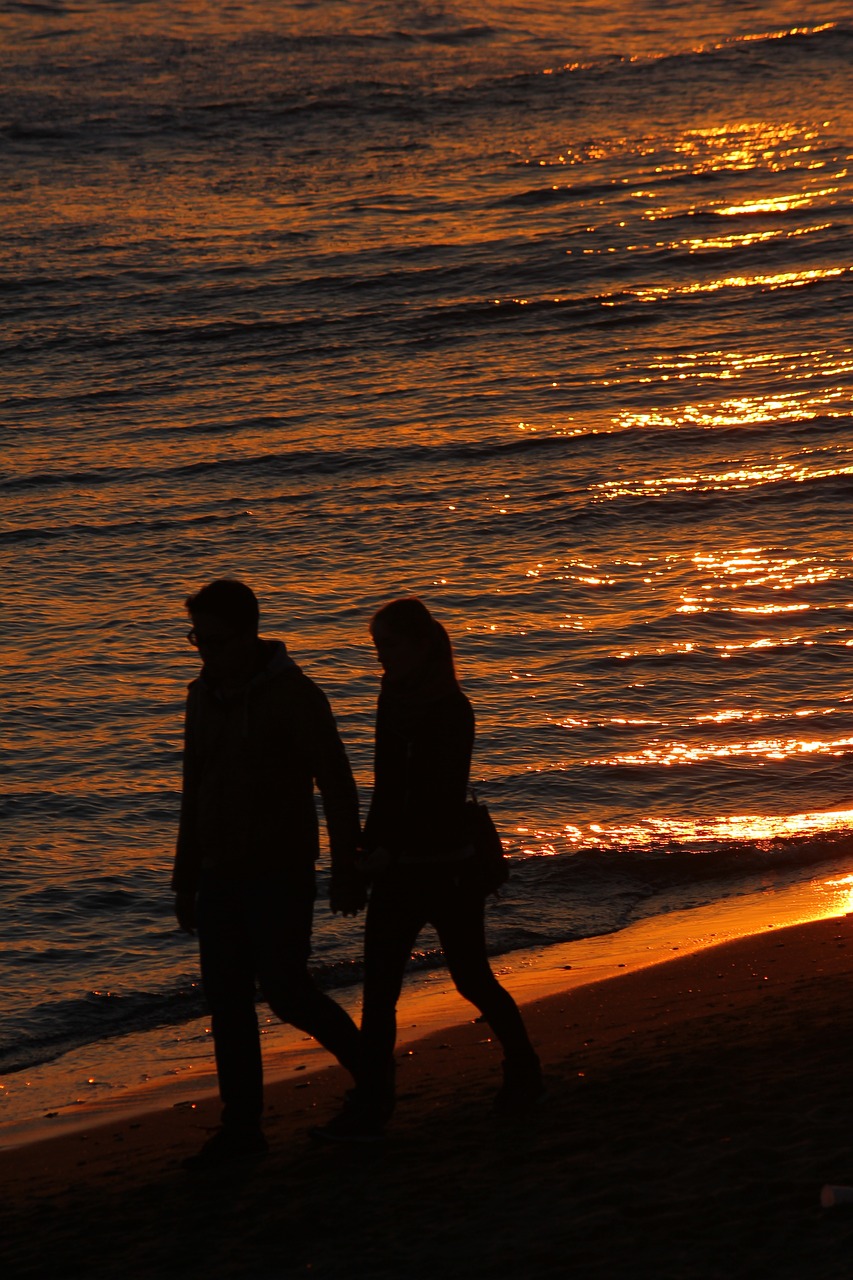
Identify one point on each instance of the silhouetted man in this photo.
(258, 736)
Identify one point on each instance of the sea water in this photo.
(539, 311)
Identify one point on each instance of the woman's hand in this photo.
(347, 891)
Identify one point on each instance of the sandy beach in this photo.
(695, 1110)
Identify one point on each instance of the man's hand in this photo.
(347, 892)
(374, 862)
(185, 911)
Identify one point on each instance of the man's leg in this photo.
(282, 917)
(229, 989)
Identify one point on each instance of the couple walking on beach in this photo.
(259, 736)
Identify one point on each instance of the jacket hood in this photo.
(276, 660)
(279, 659)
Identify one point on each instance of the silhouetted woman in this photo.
(420, 864)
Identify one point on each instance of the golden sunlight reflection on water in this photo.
(740, 240)
(765, 568)
(842, 890)
(654, 831)
(771, 748)
(777, 280)
(743, 477)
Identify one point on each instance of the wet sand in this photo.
(695, 1110)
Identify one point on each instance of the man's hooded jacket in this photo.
(251, 762)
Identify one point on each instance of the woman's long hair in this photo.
(409, 617)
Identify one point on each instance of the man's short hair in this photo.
(231, 601)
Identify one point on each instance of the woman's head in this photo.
(410, 643)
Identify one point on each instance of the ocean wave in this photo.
(307, 78)
(750, 52)
(745, 505)
(55, 1028)
(548, 507)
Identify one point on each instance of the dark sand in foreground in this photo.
(695, 1110)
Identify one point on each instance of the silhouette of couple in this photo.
(259, 736)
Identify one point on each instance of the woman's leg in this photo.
(459, 920)
(394, 920)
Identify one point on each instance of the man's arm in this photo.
(335, 782)
(185, 870)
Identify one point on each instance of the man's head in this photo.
(225, 616)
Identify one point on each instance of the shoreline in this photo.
(183, 1074)
(695, 1110)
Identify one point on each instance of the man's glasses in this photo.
(209, 639)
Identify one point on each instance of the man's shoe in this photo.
(522, 1087)
(228, 1146)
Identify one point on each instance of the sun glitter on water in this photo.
(655, 832)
